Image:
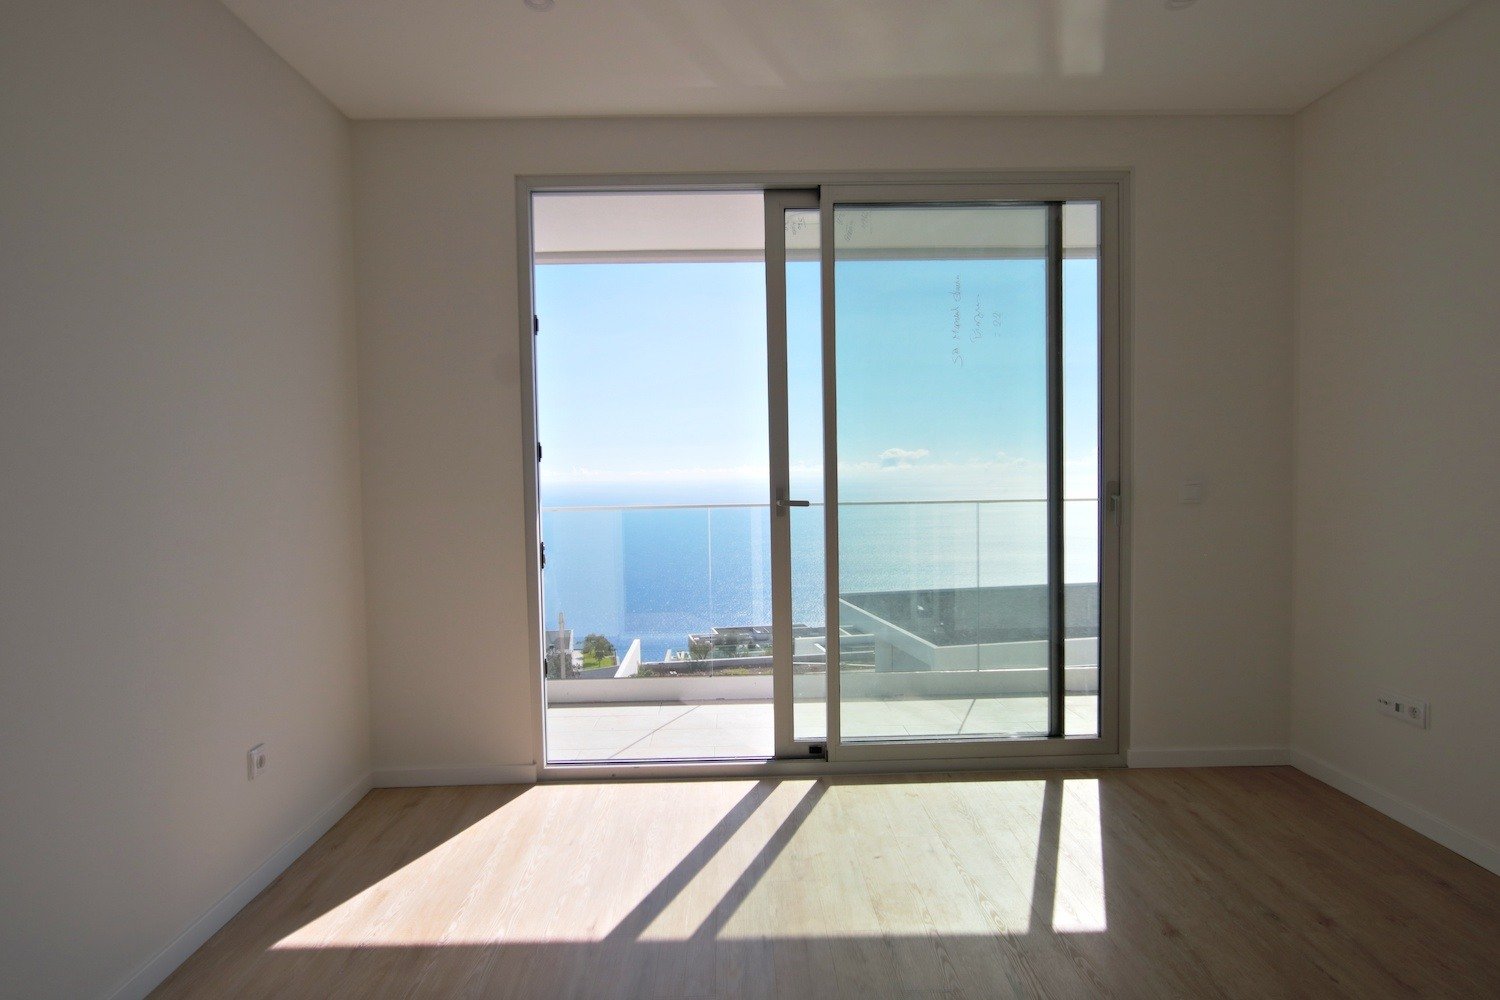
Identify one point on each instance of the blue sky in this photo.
(652, 384)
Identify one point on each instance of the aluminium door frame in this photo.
(776, 202)
(1106, 742)
(1115, 313)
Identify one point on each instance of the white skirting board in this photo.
(163, 963)
(1206, 756)
(476, 774)
(1476, 849)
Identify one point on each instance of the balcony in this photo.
(945, 636)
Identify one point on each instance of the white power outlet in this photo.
(1409, 710)
(255, 758)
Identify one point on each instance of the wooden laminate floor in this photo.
(1233, 882)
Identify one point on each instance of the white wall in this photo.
(441, 402)
(1398, 431)
(180, 569)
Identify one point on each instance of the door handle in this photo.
(782, 503)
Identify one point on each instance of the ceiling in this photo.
(500, 58)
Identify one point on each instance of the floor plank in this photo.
(1230, 882)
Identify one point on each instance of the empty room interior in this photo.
(683, 499)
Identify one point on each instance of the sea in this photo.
(659, 565)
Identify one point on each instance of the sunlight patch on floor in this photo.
(750, 856)
(571, 882)
(770, 860)
(1079, 904)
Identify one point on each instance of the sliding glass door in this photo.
(828, 472)
(962, 471)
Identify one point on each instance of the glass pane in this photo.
(804, 332)
(651, 406)
(1081, 484)
(942, 428)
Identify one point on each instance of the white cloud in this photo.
(900, 458)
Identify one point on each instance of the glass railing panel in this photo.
(1012, 681)
(1081, 616)
(658, 632)
(908, 621)
(809, 625)
(664, 577)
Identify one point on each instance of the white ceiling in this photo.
(498, 58)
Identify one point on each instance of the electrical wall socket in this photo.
(255, 760)
(1408, 710)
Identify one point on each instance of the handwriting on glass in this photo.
(849, 221)
(956, 356)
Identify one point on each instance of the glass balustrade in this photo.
(658, 623)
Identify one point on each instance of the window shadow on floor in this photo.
(1058, 884)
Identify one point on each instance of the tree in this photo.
(598, 648)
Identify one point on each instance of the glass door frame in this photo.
(818, 189)
(777, 203)
(1052, 195)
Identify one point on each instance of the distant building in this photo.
(562, 659)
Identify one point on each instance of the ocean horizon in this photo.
(659, 572)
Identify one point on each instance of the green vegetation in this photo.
(598, 651)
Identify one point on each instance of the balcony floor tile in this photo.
(585, 733)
